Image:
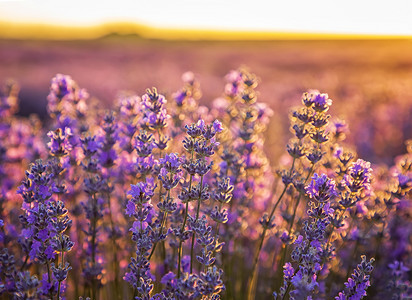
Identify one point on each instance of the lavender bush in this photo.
(161, 198)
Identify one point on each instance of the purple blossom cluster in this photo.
(357, 284)
(163, 198)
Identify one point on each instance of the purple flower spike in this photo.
(359, 176)
(200, 124)
(59, 144)
(61, 85)
(217, 126)
(321, 188)
(357, 284)
(141, 190)
(321, 102)
(288, 270)
(130, 208)
(168, 278)
(171, 162)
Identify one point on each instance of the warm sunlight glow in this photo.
(321, 16)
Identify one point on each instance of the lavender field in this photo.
(138, 169)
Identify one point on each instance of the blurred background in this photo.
(360, 53)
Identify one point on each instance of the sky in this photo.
(319, 16)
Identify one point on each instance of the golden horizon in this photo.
(42, 31)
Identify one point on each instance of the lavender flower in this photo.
(320, 102)
(321, 188)
(165, 172)
(398, 286)
(358, 177)
(356, 286)
(60, 144)
(211, 284)
(139, 206)
(154, 112)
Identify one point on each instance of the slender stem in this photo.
(252, 282)
(295, 271)
(197, 217)
(160, 233)
(113, 240)
(163, 248)
(181, 241)
(220, 206)
(330, 235)
(164, 217)
(205, 268)
(285, 248)
(329, 241)
(198, 208)
(49, 278)
(299, 197)
(293, 164)
(287, 290)
(93, 242)
(218, 223)
(161, 156)
(62, 257)
(59, 287)
(60, 237)
(180, 254)
(25, 262)
(259, 249)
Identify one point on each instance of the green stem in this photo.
(329, 240)
(285, 248)
(180, 254)
(93, 242)
(25, 262)
(252, 283)
(218, 223)
(160, 232)
(181, 242)
(49, 277)
(295, 271)
(299, 197)
(59, 287)
(115, 261)
(197, 217)
(259, 249)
